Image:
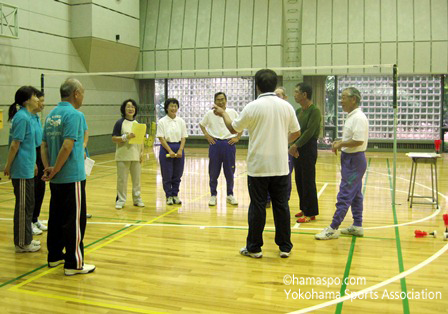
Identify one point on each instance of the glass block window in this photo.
(196, 97)
(419, 105)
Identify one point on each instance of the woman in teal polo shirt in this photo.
(21, 165)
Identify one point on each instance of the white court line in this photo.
(115, 167)
(322, 190)
(96, 164)
(297, 225)
(375, 287)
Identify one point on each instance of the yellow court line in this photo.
(16, 288)
(87, 302)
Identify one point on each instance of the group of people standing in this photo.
(58, 149)
(273, 126)
(279, 139)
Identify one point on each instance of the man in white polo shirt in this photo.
(272, 124)
(355, 136)
(222, 149)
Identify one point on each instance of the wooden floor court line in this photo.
(377, 286)
(351, 251)
(400, 276)
(218, 219)
(139, 226)
(167, 224)
(403, 285)
(17, 288)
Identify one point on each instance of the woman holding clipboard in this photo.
(128, 156)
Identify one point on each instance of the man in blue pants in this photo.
(353, 166)
(222, 148)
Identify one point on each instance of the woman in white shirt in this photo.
(128, 156)
(172, 132)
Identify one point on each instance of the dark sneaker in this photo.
(285, 254)
(56, 263)
(245, 252)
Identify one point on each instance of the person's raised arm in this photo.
(227, 121)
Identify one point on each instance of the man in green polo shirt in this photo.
(305, 151)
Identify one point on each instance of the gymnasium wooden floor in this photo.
(185, 258)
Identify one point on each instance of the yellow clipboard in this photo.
(139, 129)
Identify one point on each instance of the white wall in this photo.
(411, 33)
(45, 45)
(205, 34)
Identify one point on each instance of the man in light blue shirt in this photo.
(63, 158)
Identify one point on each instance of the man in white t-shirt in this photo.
(222, 150)
(355, 136)
(272, 124)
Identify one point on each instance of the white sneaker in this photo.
(169, 200)
(36, 230)
(245, 252)
(285, 254)
(176, 200)
(27, 248)
(232, 200)
(88, 215)
(139, 204)
(41, 226)
(35, 242)
(212, 201)
(353, 230)
(84, 270)
(118, 206)
(327, 234)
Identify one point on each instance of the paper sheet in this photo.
(139, 129)
(88, 165)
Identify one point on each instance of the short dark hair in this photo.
(123, 107)
(266, 80)
(306, 88)
(40, 94)
(220, 93)
(170, 101)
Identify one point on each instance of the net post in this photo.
(42, 82)
(395, 107)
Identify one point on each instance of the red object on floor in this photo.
(420, 234)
